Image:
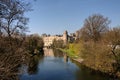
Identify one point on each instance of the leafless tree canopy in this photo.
(95, 25)
(12, 49)
(12, 19)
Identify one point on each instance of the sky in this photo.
(56, 16)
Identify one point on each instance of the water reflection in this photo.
(65, 58)
(58, 53)
(55, 65)
(48, 52)
(53, 53)
(33, 64)
(33, 61)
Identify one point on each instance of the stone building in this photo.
(48, 40)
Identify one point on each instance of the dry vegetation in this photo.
(14, 44)
(98, 45)
(12, 55)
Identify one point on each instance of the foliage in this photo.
(74, 49)
(34, 44)
(103, 55)
(12, 19)
(12, 55)
(98, 46)
(113, 39)
(58, 44)
(97, 56)
(13, 51)
(94, 26)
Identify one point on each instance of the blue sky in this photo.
(56, 16)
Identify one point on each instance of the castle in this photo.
(48, 39)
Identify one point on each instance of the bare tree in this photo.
(12, 16)
(95, 25)
(113, 39)
(12, 51)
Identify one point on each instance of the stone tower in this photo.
(77, 35)
(65, 37)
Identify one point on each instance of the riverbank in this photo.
(71, 54)
(80, 61)
(94, 72)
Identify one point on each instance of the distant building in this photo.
(44, 35)
(48, 39)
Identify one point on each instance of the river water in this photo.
(54, 65)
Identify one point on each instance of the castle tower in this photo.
(65, 37)
(77, 35)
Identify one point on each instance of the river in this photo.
(54, 65)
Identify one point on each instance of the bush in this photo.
(98, 56)
(12, 55)
(34, 44)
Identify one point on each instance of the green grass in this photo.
(70, 53)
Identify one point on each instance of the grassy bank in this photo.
(96, 56)
(70, 53)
